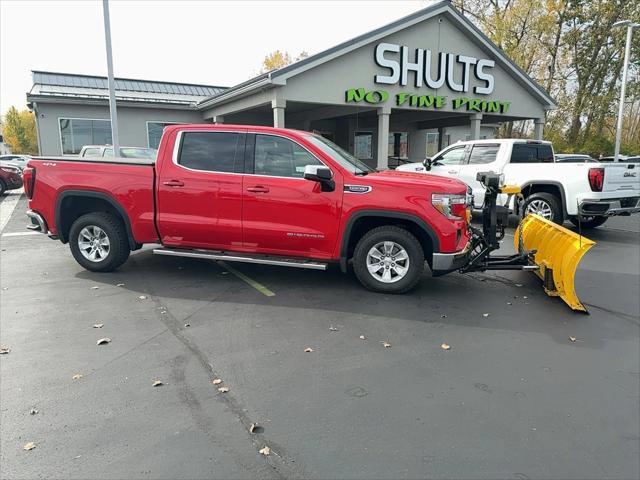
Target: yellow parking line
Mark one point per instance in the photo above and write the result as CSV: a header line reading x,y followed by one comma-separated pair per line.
x,y
249,281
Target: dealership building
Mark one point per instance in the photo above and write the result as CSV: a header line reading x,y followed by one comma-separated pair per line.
x,y
402,91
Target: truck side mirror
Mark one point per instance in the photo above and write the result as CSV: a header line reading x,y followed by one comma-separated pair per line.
x,y
321,174
427,163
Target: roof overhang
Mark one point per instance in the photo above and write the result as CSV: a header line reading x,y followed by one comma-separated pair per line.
x,y
279,77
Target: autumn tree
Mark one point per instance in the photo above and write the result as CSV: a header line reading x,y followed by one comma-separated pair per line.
x,y
19,131
280,59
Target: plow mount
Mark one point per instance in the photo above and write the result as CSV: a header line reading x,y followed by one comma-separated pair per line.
x,y
549,250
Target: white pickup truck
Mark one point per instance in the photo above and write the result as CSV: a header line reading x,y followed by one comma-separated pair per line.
x,y
589,192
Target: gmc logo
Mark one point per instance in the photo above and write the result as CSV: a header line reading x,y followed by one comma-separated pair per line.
x,y
629,174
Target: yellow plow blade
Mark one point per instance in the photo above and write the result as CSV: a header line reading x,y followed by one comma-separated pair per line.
x,y
558,253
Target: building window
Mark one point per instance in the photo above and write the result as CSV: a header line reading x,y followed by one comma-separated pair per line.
x,y
363,145
397,147
154,132
75,133
432,143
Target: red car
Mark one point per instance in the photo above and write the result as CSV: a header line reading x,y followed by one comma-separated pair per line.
x,y
10,178
253,194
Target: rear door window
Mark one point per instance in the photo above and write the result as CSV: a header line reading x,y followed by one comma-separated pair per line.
x,y
210,151
531,153
481,154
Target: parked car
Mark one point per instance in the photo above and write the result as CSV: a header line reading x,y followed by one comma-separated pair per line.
x,y
253,194
10,178
622,158
19,161
125,152
574,158
584,193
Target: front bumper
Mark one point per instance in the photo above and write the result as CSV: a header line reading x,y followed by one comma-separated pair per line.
x,y
448,262
609,207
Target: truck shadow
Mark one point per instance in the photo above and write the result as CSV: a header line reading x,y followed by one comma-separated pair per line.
x,y
511,301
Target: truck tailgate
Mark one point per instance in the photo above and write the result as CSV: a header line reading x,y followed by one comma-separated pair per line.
x,y
621,177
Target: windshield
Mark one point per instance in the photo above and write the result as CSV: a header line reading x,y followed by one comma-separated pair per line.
x,y
344,158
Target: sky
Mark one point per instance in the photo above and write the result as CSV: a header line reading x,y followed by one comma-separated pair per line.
x,y
209,42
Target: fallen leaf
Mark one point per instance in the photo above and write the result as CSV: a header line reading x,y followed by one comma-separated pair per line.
x,y
103,341
157,383
485,314
217,381
509,303
33,411
120,284
265,451
142,297
445,346
4,350
223,389
98,325
386,344
333,329
518,284
362,337
443,316
573,339
95,287
29,446
163,312
187,324
252,427
77,376
525,297
308,350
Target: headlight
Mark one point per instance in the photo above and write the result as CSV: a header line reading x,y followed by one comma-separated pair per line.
x,y
452,206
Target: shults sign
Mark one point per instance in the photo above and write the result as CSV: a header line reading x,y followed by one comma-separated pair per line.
x,y
456,71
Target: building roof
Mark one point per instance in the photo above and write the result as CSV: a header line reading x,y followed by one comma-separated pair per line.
x,y
279,76
60,86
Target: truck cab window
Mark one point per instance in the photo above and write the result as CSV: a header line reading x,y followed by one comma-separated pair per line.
x,y
280,157
455,156
481,154
531,153
209,151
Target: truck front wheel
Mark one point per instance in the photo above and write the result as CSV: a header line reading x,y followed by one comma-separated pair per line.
x,y
99,242
388,260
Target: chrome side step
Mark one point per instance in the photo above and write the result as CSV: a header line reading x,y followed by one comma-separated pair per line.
x,y
265,260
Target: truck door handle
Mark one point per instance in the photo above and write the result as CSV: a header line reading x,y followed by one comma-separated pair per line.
x,y
258,189
173,183
453,171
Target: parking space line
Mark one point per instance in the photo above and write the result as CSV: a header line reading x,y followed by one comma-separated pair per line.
x,y
249,281
20,234
7,207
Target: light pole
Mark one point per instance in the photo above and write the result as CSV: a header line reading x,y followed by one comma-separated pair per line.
x,y
112,84
627,53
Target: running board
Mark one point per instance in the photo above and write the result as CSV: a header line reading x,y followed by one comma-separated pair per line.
x,y
265,260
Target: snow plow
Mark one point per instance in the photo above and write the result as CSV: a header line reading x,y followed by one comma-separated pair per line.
x,y
549,250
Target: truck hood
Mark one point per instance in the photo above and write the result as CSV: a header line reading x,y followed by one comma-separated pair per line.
x,y
435,182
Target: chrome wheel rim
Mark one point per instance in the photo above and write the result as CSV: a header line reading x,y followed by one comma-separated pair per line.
x,y
541,208
94,243
388,262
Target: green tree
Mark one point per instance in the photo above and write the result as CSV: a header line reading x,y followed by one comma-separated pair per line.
x,y
280,59
19,131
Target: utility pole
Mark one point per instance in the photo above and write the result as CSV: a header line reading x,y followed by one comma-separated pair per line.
x,y
112,84
627,53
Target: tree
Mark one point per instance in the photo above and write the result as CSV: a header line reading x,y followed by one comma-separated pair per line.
x,y
280,59
19,131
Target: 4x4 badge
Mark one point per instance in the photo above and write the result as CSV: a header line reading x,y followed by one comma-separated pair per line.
x,y
357,188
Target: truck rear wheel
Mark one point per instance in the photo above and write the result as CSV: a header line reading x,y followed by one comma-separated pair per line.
x,y
99,242
588,222
544,204
388,260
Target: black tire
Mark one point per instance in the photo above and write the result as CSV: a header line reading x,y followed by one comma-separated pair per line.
x,y
3,187
400,237
588,222
115,232
551,201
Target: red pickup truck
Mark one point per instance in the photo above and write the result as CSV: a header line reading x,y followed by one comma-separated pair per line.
x,y
253,194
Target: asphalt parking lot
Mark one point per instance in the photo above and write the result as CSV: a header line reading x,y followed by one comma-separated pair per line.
x,y
513,398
